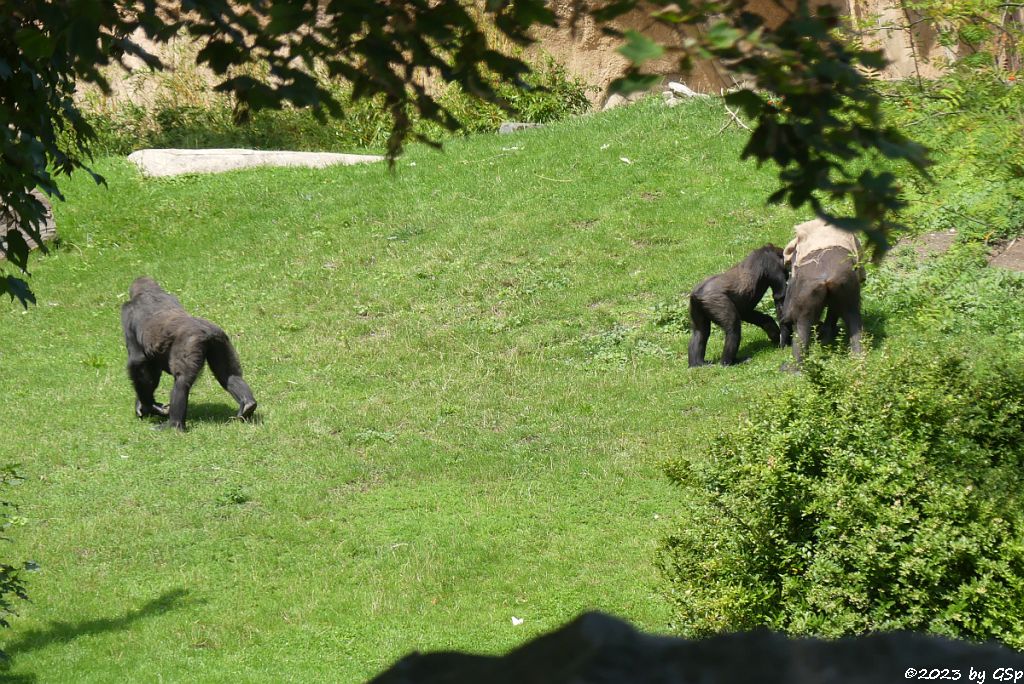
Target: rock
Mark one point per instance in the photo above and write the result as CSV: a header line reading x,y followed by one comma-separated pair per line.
x,y
670,98
47,229
614,100
683,90
170,162
596,648
513,126
677,92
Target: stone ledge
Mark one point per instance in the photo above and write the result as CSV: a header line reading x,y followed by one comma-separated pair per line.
x,y
173,162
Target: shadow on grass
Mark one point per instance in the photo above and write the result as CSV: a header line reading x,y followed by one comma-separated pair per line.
x,y
750,350
204,412
66,632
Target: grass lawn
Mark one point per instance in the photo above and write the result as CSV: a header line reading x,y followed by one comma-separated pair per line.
x,y
464,401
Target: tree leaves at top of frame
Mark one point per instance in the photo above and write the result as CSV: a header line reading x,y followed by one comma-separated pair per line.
x,y
638,48
34,43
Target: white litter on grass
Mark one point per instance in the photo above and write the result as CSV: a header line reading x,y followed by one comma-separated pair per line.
x,y
516,621
625,160
606,146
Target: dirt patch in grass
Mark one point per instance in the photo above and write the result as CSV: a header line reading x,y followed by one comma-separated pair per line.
x,y
930,244
1009,255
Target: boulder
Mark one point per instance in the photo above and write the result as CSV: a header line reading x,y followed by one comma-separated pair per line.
x,y
171,162
596,649
513,126
47,230
683,90
616,100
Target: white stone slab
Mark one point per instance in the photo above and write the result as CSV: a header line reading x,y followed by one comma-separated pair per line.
x,y
171,162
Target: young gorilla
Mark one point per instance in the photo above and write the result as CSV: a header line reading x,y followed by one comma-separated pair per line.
x,y
162,337
730,297
824,261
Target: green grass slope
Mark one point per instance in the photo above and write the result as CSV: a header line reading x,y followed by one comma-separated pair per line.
x,y
464,401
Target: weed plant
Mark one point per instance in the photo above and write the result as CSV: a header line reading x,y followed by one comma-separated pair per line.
x,y
884,493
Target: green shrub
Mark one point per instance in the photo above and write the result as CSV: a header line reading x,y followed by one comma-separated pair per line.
x,y
883,493
551,94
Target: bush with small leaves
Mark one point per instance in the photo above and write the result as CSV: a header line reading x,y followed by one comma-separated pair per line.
x,y
883,493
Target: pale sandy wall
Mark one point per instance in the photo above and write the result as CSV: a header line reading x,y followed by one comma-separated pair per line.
x,y
911,53
592,56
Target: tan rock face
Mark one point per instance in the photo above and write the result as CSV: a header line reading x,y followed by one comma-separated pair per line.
x,y
589,54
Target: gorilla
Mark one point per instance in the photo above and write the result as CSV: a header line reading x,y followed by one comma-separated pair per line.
x,y
161,337
826,277
729,298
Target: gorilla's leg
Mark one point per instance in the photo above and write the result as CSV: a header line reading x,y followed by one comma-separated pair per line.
x,y
179,399
716,306
802,340
145,376
766,323
805,301
785,332
186,360
854,325
829,328
227,369
700,325
731,326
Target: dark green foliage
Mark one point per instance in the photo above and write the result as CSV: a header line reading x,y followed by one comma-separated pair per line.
x,y
814,112
47,48
956,295
883,493
551,94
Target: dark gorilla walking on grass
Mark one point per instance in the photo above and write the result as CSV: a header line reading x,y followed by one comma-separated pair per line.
x,y
162,337
729,298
